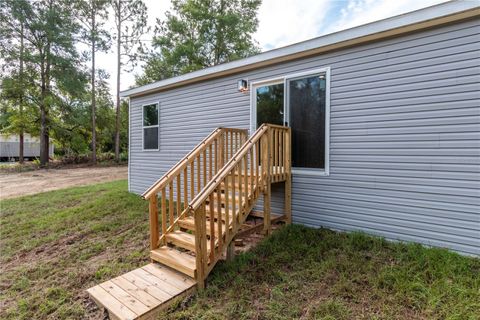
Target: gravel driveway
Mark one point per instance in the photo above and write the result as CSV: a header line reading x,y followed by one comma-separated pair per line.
x,y
19,184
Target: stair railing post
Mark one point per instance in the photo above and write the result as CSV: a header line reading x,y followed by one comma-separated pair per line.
x,y
153,210
288,179
200,245
266,160
221,156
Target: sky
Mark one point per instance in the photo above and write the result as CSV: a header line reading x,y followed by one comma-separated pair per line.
x,y
283,22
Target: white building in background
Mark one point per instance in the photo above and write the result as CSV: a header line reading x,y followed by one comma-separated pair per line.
x,y
10,147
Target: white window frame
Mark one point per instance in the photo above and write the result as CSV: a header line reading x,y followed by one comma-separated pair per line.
x,y
155,126
286,112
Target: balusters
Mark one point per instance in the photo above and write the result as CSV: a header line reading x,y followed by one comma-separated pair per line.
x,y
251,170
280,153
185,187
227,207
210,167
192,178
240,187
170,203
257,165
212,228
179,202
198,172
163,199
232,144
219,218
245,178
234,200
215,148
204,168
274,151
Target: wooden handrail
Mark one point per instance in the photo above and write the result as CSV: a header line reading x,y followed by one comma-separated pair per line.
x,y
170,195
178,168
216,180
261,160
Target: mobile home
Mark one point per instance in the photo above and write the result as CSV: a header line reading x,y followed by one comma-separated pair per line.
x,y
10,147
384,121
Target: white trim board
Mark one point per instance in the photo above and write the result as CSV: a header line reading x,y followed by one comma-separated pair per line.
x,y
429,17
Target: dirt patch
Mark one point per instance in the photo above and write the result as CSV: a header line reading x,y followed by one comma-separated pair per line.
x,y
14,185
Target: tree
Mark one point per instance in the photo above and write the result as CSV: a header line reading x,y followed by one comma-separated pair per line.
x,y
93,14
199,34
14,86
131,24
48,29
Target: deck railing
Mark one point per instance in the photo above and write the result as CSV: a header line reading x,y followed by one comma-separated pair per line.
x,y
232,192
187,178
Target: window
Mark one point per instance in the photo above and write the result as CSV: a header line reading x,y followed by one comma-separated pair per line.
x,y
301,101
307,103
150,127
269,104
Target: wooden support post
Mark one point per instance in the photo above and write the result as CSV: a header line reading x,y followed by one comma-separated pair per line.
x,y
231,251
153,210
164,212
221,157
266,157
200,245
288,178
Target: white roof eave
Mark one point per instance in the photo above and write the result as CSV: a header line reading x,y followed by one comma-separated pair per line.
x,y
411,18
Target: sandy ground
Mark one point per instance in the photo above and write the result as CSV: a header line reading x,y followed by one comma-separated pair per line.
x,y
19,184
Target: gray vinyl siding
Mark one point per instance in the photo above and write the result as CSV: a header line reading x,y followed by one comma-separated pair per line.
x,y
404,145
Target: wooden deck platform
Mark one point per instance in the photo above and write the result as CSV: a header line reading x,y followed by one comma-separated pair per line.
x,y
141,293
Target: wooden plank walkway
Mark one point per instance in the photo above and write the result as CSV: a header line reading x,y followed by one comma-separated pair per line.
x,y
141,293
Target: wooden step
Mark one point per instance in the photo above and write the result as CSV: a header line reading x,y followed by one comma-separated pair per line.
x,y
242,174
230,199
141,293
215,212
175,259
183,240
189,224
237,184
260,214
223,213
230,202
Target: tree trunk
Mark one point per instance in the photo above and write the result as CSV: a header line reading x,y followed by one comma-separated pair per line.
x,y
44,125
94,135
43,118
21,144
43,131
119,66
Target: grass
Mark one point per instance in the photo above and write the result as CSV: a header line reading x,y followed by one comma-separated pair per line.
x,y
57,244
304,273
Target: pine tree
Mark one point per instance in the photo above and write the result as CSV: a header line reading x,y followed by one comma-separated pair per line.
x,y
93,15
199,34
49,27
131,24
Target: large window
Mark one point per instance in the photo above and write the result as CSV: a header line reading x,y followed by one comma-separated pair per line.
x,y
306,99
150,127
300,101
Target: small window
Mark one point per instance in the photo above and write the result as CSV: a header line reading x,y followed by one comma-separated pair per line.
x,y
150,127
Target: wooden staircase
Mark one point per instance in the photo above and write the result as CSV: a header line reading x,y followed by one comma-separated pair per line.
x,y
198,207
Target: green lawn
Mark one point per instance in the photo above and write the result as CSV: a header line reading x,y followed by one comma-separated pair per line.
x,y
57,244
